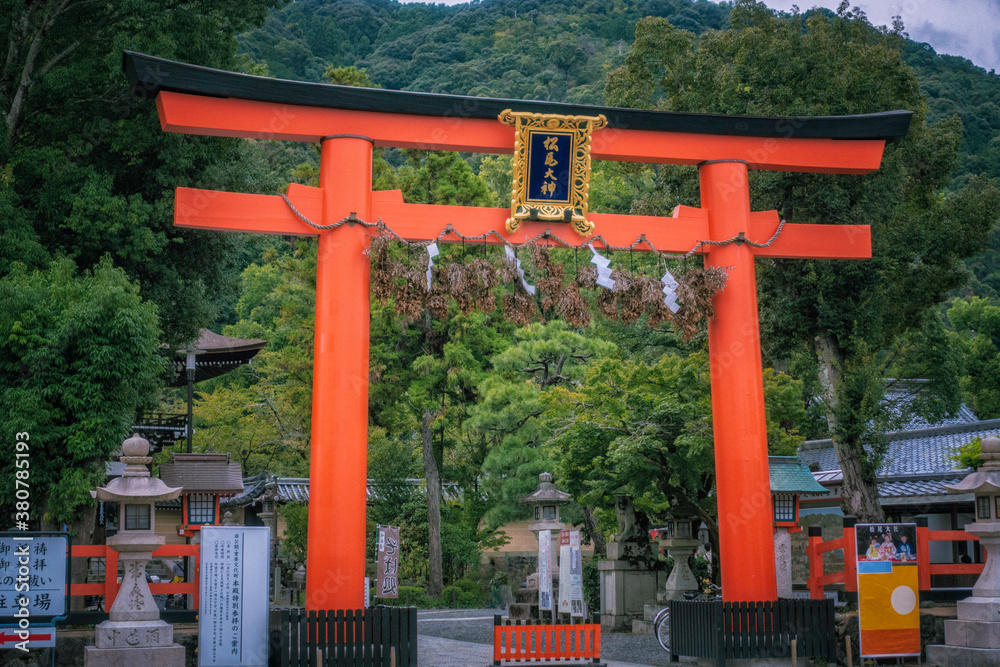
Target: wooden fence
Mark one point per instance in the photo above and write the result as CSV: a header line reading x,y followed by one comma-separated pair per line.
x,y
738,630
849,575
526,642
109,588
374,637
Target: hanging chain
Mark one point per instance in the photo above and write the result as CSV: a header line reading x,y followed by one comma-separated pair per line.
x,y
385,230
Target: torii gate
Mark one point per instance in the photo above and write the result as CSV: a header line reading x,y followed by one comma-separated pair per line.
x,y
350,121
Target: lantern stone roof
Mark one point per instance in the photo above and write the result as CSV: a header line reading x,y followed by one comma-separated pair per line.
x,y
215,355
789,475
987,478
203,473
546,492
135,485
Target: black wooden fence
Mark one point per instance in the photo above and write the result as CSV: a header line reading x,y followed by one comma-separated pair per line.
x,y
729,630
375,637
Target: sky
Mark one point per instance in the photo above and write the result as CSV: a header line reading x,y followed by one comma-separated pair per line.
x,y
967,28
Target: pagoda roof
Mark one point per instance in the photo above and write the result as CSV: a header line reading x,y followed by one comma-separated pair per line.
x,y
217,355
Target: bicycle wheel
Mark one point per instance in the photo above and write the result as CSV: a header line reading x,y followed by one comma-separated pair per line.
x,y
661,626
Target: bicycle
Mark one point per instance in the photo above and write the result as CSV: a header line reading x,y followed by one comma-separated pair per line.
x,y
661,623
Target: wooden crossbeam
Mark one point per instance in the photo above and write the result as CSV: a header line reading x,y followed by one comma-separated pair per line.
x,y
269,214
230,117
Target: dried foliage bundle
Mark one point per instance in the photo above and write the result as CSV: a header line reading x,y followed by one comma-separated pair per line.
x,y
473,286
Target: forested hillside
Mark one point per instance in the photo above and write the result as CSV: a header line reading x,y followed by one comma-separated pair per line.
x,y
555,50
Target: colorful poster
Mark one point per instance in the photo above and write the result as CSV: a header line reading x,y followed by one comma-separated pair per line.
x,y
387,563
570,574
888,589
545,569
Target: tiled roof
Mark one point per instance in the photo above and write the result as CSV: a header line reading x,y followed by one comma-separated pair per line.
x,y
927,487
296,490
789,475
902,393
926,490
203,473
210,342
918,452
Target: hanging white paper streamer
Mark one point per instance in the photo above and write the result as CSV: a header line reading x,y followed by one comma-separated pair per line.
x,y
603,268
669,291
530,289
432,252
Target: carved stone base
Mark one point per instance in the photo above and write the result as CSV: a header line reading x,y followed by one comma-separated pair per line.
x,y
134,634
160,656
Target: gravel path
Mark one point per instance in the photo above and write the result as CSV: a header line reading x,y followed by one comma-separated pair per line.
x,y
476,627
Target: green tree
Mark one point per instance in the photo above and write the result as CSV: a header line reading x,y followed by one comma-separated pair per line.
x,y
977,324
86,168
509,415
78,356
641,434
849,314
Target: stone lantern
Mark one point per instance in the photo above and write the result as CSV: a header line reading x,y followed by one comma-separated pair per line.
x,y
545,503
681,543
134,633
974,637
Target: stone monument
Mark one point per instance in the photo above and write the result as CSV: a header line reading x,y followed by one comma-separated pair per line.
x,y
134,635
630,577
681,544
973,639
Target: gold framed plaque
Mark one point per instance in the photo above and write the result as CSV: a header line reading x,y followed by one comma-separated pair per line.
x,y
551,168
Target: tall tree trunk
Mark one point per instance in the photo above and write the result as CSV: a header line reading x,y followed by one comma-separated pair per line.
x,y
859,495
432,476
596,536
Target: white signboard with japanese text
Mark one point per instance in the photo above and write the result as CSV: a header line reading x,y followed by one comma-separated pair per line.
x,y
233,604
545,569
570,574
33,569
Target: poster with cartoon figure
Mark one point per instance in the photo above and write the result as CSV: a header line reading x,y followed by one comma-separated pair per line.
x,y
888,589
892,542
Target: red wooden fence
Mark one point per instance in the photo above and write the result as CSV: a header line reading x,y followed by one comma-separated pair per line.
x,y
518,640
849,576
109,589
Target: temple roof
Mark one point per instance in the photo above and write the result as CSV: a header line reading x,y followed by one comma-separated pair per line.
x,y
217,355
149,75
789,475
203,473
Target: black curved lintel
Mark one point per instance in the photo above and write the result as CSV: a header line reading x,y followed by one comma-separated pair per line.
x,y
148,75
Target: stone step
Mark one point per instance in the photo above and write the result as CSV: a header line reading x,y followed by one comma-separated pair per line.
x,y
649,611
642,627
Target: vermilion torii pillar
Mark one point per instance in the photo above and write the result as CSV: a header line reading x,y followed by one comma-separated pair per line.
x,y
350,121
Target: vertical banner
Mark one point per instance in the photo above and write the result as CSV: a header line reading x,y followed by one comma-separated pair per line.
x,y
387,563
233,596
570,574
545,570
888,589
